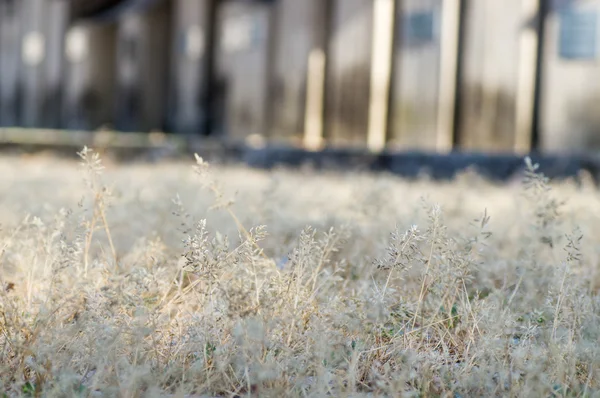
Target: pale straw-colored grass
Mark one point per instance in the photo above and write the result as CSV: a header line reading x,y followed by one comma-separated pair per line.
x,y
161,280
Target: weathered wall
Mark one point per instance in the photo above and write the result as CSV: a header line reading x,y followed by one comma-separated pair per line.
x,y
57,21
300,29
490,74
415,83
569,117
188,55
10,34
31,60
142,69
348,80
123,75
242,67
90,76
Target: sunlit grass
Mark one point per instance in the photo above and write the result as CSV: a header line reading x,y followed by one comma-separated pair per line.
x,y
188,279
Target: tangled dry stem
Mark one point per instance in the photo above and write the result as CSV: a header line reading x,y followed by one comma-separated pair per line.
x,y
386,293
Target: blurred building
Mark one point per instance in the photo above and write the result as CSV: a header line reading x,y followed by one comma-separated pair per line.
x,y
415,74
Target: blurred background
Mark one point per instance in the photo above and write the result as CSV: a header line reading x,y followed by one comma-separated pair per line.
x,y
434,75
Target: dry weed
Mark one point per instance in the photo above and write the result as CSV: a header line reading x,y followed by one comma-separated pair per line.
x,y
232,282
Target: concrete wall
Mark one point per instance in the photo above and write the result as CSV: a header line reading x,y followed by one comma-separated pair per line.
x,y
569,117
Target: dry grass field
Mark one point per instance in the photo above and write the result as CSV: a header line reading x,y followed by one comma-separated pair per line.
x,y
193,280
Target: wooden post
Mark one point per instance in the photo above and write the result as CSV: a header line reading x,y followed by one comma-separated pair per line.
x,y
142,65
57,25
450,28
270,70
313,135
89,78
381,72
242,58
526,86
192,67
33,57
209,90
313,138
43,25
349,63
9,62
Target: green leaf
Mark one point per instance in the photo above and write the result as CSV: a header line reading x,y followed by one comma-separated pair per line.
x,y
28,389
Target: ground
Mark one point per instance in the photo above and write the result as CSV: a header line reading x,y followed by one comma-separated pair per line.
x,y
165,280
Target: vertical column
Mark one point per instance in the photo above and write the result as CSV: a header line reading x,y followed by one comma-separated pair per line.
x,y
10,34
490,75
34,46
89,83
158,32
296,71
142,43
33,55
57,25
569,118
190,66
315,99
273,84
316,77
349,72
131,49
242,58
450,25
415,93
381,72
528,43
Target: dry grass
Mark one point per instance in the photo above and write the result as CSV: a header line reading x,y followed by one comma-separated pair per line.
x,y
150,281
